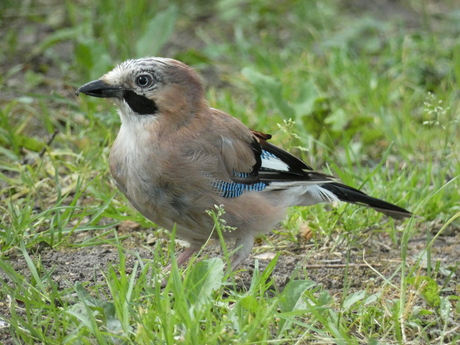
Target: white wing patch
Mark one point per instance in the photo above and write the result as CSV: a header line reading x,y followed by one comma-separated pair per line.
x,y
271,162
317,195
303,194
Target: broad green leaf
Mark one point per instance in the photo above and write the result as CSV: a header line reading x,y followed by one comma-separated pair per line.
x,y
30,143
353,298
250,303
205,277
270,89
107,309
445,308
428,288
308,96
456,63
158,32
291,297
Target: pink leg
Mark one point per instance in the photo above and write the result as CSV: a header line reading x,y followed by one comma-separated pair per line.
x,y
244,246
182,258
185,255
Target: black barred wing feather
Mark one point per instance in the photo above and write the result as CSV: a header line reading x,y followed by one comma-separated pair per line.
x,y
273,168
276,169
355,196
278,165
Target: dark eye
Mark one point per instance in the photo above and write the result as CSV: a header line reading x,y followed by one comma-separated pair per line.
x,y
144,80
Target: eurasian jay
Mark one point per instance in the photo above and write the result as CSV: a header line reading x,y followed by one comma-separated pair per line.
x,y
175,158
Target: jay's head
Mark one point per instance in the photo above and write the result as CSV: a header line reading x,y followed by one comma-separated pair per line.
x,y
149,87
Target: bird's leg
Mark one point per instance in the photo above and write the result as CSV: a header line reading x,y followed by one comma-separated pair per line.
x,y
243,246
182,258
185,255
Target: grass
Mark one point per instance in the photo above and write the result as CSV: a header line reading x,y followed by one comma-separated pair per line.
x,y
371,100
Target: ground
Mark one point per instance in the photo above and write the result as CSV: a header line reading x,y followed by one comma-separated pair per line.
x,y
372,260
371,264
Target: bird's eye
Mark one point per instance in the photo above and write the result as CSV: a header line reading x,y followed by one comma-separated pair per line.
x,y
144,80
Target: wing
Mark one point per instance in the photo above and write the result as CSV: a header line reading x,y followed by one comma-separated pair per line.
x,y
253,164
355,196
278,165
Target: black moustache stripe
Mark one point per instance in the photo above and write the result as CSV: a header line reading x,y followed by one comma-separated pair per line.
x,y
140,104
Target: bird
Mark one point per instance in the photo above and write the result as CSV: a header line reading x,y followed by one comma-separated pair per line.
x,y
175,158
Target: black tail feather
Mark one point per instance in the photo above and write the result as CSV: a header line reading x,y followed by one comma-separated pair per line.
x,y
355,196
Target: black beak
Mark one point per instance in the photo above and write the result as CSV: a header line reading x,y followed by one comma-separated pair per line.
x,y
98,88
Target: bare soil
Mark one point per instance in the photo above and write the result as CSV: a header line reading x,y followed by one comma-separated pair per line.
x,y
369,265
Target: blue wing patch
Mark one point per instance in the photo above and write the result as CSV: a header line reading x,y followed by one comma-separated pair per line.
x,y
267,155
234,190
270,161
